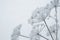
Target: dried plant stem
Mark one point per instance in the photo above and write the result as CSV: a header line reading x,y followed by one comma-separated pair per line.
x,y
42,36
37,34
56,24
48,30
25,36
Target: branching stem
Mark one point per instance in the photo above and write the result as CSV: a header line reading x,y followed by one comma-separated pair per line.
x,y
42,36
48,30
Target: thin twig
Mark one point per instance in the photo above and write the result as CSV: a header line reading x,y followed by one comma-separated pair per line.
x,y
56,24
42,36
48,30
24,36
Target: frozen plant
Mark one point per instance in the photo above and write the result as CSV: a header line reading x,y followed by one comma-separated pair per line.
x,y
39,15
16,33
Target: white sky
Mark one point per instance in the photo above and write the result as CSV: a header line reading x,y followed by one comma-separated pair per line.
x,y
15,12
